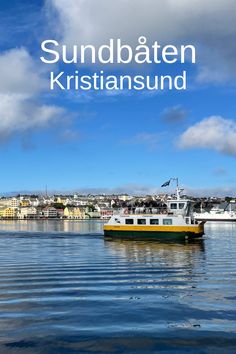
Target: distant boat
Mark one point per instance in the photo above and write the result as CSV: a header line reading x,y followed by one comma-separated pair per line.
x,y
217,214
176,223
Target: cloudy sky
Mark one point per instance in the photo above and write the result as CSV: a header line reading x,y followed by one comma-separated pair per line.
x,y
128,141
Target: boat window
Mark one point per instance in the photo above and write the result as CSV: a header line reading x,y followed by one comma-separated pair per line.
x,y
181,205
167,221
154,221
141,221
173,205
129,221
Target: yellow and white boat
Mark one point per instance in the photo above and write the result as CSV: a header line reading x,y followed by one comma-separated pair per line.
x,y
177,222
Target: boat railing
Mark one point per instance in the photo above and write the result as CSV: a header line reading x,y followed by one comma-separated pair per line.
x,y
138,211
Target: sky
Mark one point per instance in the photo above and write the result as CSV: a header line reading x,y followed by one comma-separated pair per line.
x,y
118,141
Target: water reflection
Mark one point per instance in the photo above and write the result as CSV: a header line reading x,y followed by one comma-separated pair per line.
x,y
183,254
51,226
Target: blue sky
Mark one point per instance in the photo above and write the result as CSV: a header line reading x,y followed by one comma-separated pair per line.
x,y
130,142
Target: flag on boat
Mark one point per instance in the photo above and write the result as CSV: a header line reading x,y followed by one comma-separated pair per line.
x,y
166,184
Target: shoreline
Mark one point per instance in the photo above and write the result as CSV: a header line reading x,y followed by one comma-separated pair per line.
x,y
52,219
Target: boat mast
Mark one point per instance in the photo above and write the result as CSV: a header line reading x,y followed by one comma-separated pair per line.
x,y
178,190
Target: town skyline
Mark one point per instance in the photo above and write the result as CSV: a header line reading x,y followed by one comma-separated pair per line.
x,y
80,207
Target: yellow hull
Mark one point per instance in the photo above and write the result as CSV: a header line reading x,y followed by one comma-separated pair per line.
x,y
193,229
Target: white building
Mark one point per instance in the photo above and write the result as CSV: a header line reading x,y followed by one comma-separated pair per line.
x,y
34,202
14,203
27,213
49,212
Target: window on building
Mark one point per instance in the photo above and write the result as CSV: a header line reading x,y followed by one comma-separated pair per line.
x,y
141,221
167,221
181,205
173,205
129,221
154,221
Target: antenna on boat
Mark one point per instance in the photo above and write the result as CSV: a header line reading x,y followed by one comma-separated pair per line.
x,y
178,190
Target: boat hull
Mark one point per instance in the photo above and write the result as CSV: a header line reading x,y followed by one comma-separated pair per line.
x,y
150,233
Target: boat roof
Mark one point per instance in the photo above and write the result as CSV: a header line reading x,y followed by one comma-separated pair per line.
x,y
169,215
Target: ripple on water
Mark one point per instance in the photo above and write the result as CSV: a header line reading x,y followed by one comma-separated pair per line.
x,y
71,293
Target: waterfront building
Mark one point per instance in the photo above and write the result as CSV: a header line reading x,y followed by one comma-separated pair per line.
x,y
24,202
34,201
92,212
62,200
49,212
27,213
106,213
8,213
74,213
14,202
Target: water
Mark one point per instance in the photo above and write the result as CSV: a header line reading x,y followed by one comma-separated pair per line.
x,y
63,289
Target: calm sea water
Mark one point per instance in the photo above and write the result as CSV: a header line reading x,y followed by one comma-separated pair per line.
x,y
64,289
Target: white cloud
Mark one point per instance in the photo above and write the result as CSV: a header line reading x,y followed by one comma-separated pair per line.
x,y
209,24
19,73
214,132
21,84
19,114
